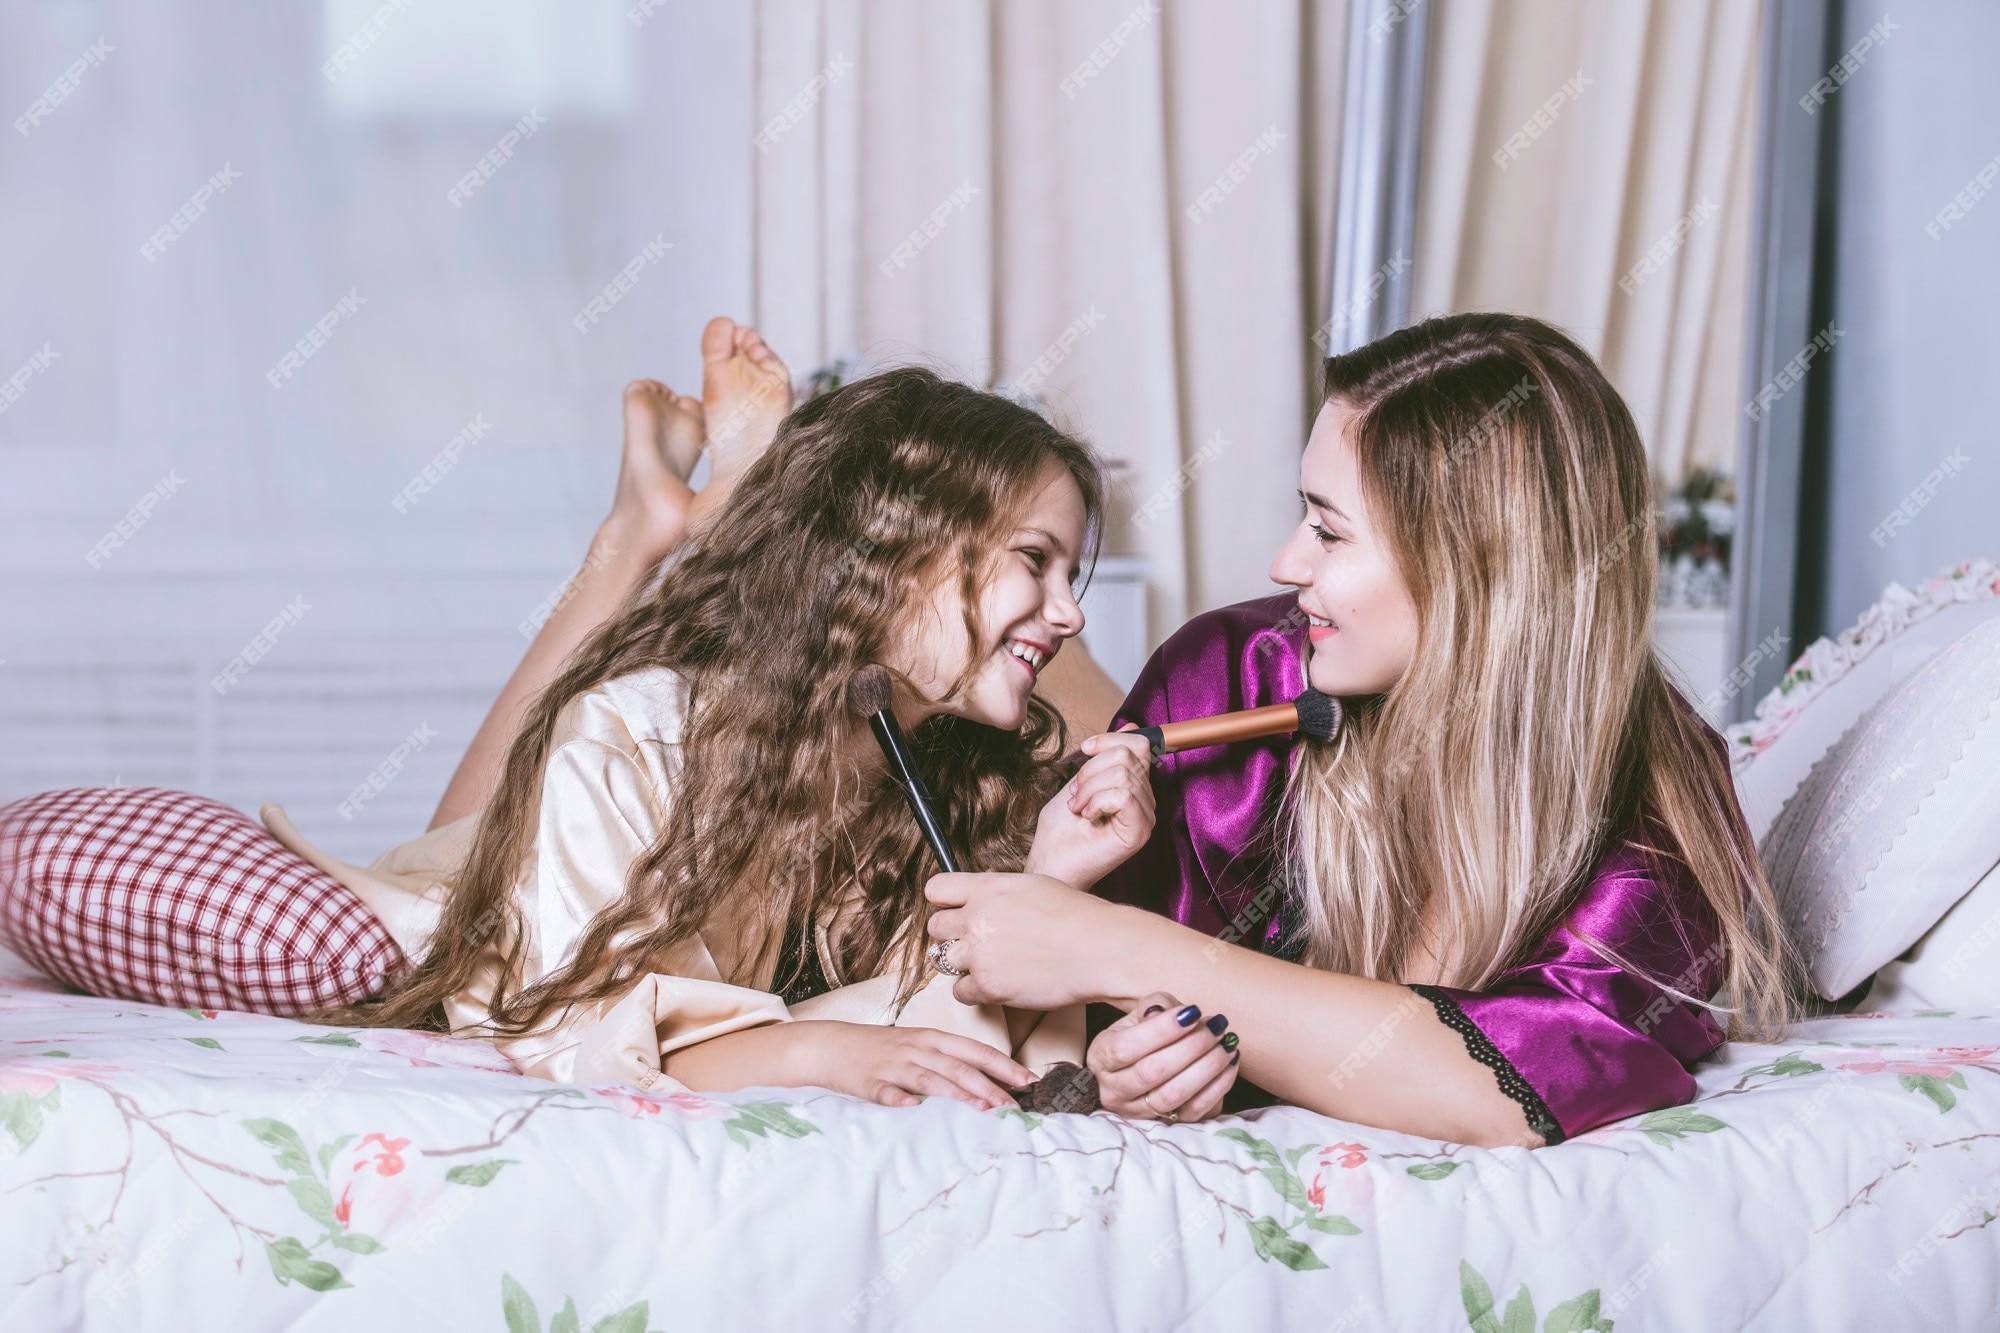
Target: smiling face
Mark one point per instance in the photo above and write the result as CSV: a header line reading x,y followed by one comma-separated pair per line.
x,y
1026,609
1363,625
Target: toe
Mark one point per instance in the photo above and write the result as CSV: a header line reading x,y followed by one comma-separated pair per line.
x,y
760,352
718,338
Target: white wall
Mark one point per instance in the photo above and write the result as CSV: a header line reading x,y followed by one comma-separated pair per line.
x,y
1911,379
340,186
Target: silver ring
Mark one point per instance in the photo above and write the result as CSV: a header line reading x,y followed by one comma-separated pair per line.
x,y
941,962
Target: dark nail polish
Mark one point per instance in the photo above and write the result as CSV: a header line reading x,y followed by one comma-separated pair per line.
x,y
1187,1016
1219,1024
1234,1058
1230,1041
1156,1009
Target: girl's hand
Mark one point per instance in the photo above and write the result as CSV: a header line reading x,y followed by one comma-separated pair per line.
x,y
1150,1063
1101,817
901,1066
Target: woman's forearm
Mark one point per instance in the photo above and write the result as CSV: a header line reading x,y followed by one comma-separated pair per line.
x,y
1368,1051
616,561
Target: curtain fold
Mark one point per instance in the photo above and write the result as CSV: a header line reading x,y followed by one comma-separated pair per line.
x,y
1590,164
1124,207
1120,207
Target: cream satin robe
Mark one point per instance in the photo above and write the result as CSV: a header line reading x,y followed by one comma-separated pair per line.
x,y
610,772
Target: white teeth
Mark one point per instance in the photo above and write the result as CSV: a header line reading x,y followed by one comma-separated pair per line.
x,y
1316,619
1025,653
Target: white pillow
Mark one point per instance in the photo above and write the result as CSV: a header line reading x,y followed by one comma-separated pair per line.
x,y
1953,965
1897,820
1835,681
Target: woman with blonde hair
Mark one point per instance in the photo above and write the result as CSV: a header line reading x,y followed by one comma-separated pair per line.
x,y
1514,897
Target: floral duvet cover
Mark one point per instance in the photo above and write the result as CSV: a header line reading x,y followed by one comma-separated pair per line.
x,y
174,1169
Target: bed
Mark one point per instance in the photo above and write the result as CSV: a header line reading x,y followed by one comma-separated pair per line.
x,y
164,1167
270,1174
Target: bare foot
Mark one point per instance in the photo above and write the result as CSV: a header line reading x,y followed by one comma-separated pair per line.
x,y
663,435
745,392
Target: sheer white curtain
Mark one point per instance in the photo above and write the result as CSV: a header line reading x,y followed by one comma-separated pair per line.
x,y
338,189
1036,165
1123,206
1591,164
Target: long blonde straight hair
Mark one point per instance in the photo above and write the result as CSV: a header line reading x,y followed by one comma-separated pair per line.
x,y
1534,729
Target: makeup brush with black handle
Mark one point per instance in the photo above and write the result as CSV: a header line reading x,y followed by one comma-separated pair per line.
x,y
1063,1087
868,695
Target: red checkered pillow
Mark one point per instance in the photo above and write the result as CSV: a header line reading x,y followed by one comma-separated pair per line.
x,y
141,893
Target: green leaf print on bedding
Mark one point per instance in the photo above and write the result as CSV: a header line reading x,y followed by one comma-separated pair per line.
x,y
284,1143
1028,1119
761,1118
1578,1314
292,1262
479,1173
327,1150
1271,1238
312,1188
313,1200
1271,1241
1331,1223
1290,1188
22,1112
1789,1065
1938,1089
1677,1122
358,1243
1259,1149
522,1317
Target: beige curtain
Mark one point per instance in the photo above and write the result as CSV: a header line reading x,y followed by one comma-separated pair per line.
x,y
1121,205
1591,163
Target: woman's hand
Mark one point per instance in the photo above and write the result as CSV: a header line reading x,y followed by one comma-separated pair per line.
x,y
1025,940
1102,816
1151,1063
901,1066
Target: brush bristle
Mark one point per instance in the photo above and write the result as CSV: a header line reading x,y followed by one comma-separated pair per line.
x,y
868,691
1319,715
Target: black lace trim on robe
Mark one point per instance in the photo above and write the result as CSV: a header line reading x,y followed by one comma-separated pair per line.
x,y
1517,1089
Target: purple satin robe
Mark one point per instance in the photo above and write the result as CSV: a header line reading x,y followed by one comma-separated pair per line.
x,y
1575,1040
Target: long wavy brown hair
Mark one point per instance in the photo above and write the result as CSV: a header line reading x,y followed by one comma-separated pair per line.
x,y
881,500
1534,727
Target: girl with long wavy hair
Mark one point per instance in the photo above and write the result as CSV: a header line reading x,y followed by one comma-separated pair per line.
x,y
691,868
1514,898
